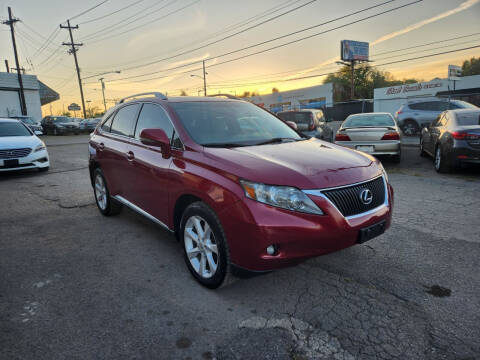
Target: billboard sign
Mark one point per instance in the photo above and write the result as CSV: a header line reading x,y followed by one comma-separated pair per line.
x,y
354,50
454,72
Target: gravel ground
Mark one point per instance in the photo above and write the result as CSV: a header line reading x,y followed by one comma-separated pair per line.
x,y
75,284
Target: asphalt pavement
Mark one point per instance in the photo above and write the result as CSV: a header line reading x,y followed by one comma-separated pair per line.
x,y
76,284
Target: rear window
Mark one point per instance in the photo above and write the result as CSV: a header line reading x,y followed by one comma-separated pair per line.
x,y
369,121
297,117
13,129
467,119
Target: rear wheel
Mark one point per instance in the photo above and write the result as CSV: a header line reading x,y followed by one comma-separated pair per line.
x,y
105,203
441,163
410,128
205,246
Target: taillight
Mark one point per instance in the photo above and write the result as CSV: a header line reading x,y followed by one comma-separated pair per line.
x,y
460,135
311,126
342,137
391,135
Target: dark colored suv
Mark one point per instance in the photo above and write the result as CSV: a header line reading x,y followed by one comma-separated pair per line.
x,y
59,125
238,187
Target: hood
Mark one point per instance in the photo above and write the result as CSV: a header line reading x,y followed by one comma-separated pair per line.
x,y
16,142
308,164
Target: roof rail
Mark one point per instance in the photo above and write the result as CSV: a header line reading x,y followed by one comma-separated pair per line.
x,y
158,95
228,96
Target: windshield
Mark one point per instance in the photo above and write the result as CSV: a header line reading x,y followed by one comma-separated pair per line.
x,y
467,119
13,129
369,121
230,123
464,105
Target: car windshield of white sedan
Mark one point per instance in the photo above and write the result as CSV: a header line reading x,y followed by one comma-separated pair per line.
x,y
231,123
13,129
369,121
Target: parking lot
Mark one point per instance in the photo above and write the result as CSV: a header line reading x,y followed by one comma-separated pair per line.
x,y
76,284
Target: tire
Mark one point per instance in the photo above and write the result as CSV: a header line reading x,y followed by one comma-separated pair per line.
x,y
105,203
440,162
410,128
422,151
397,158
199,216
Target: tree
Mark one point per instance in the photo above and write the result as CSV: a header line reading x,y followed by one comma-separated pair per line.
x,y
67,113
245,94
183,93
471,67
366,79
274,90
92,111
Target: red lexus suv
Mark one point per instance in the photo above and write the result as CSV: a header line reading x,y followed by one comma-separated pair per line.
x,y
241,190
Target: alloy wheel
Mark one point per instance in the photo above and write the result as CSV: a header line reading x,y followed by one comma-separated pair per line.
x,y
100,192
438,158
201,247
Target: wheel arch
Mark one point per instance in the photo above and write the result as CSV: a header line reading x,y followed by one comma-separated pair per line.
x,y
182,202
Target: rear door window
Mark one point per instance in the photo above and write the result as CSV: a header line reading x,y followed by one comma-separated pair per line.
x,y
124,120
153,117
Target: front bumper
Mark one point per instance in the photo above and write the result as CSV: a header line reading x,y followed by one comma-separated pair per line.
x,y
251,227
35,160
382,147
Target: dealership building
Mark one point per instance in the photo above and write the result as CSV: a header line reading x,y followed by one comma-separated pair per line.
x,y
312,97
389,99
36,95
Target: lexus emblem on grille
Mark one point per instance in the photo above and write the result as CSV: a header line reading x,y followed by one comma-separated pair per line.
x,y
366,196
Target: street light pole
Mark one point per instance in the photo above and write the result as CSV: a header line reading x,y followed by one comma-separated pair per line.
x,y
103,93
204,80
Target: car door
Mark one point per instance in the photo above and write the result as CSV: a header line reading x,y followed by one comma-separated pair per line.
x,y
149,180
113,148
434,133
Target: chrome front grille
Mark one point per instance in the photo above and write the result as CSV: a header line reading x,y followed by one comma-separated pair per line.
x,y
14,153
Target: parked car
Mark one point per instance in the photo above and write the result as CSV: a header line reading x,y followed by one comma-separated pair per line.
x,y
32,124
257,198
309,122
59,125
452,139
88,125
416,114
20,148
374,133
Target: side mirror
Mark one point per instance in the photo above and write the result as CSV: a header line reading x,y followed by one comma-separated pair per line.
x,y
158,138
38,132
292,125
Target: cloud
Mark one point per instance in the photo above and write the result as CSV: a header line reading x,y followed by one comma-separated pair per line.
x,y
463,6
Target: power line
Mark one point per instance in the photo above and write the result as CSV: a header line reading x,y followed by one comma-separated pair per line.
x,y
119,24
277,46
226,37
88,10
112,13
148,22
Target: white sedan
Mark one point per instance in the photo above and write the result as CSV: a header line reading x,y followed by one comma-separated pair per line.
x,y
20,148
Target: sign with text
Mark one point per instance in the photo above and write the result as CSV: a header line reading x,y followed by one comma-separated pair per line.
x,y
454,72
354,50
74,107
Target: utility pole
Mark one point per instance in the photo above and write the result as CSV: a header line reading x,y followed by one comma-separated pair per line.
x,y
10,22
22,69
73,51
103,93
6,65
352,92
204,80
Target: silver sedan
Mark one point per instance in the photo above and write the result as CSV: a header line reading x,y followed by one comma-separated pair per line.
x,y
373,133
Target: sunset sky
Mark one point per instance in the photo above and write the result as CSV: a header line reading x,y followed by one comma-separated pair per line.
x,y
127,35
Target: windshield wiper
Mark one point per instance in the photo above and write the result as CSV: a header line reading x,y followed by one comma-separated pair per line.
x,y
221,145
276,140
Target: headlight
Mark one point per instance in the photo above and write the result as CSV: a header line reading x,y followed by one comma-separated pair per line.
x,y
40,147
284,197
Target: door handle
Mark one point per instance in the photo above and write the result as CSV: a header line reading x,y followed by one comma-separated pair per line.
x,y
101,146
130,155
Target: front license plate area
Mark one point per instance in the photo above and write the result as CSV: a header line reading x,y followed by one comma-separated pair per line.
x,y
366,148
10,163
371,231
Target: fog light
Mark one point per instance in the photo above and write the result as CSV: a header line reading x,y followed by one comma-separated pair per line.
x,y
271,250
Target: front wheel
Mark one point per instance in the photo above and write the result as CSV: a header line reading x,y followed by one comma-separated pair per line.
x,y
205,246
410,128
422,150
